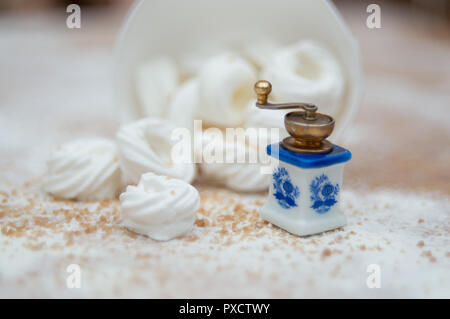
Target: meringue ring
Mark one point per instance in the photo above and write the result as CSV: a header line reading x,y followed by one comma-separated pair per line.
x,y
226,83
156,80
239,176
306,72
159,207
84,169
183,107
146,146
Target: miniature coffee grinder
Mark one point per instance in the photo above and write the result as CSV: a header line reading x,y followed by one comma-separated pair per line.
x,y
307,176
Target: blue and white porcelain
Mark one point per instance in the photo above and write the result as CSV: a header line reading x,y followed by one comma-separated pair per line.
x,y
285,192
305,192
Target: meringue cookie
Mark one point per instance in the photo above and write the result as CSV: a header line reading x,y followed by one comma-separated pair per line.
x,y
84,169
160,207
260,52
245,176
306,72
191,61
226,87
184,105
146,146
156,80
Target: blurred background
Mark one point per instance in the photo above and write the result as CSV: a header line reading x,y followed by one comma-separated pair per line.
x,y
59,79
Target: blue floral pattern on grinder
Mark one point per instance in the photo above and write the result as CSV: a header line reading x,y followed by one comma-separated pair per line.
x,y
323,194
286,193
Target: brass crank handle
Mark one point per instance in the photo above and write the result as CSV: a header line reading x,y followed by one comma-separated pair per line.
x,y
263,89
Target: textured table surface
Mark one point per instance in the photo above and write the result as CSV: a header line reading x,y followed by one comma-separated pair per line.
x,y
55,85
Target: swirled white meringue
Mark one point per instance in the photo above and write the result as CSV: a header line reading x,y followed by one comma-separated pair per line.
x,y
260,52
182,110
146,146
156,80
159,207
192,60
226,87
84,169
306,72
240,176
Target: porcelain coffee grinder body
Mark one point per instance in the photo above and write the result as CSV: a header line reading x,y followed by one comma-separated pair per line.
x,y
307,171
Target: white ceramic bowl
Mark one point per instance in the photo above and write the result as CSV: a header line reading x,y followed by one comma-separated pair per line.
x,y
175,28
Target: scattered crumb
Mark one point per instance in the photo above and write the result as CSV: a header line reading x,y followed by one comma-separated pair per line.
x,y
430,256
326,253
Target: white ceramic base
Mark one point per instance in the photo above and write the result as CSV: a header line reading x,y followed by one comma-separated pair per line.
x,y
304,215
303,226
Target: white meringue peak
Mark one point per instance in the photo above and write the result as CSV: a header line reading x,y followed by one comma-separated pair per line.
x,y
84,169
226,87
156,80
146,146
260,52
182,110
159,207
306,72
192,60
